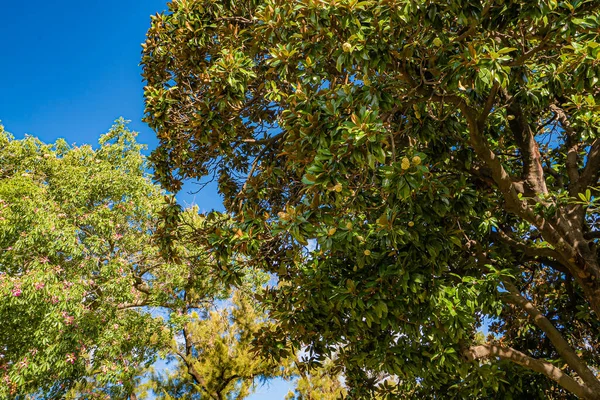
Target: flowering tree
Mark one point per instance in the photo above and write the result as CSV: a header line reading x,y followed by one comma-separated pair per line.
x,y
78,266
87,300
75,255
444,158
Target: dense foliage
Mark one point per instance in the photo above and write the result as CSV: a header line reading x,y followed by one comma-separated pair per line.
x,y
75,228
88,303
215,359
324,383
411,170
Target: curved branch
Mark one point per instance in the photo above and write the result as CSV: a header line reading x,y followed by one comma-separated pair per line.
x,y
508,353
268,143
560,344
591,171
545,255
509,190
533,171
572,142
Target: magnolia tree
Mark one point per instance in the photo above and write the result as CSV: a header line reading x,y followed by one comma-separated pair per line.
x,y
444,158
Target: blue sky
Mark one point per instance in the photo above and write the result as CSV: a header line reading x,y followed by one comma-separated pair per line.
x,y
69,68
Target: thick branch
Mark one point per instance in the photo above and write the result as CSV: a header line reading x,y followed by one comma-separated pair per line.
x,y
544,255
533,171
591,171
549,262
198,379
489,104
227,381
543,367
507,187
560,344
592,235
545,252
572,142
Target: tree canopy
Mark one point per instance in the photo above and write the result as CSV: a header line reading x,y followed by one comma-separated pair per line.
x,y
88,302
412,171
75,229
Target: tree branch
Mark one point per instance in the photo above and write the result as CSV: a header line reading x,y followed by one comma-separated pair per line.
x,y
489,104
268,143
572,142
592,235
558,341
198,379
591,171
507,353
506,185
525,249
530,53
545,255
533,170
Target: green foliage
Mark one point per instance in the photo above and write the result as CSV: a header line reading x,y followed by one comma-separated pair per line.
x,y
323,384
75,235
215,357
443,157
88,300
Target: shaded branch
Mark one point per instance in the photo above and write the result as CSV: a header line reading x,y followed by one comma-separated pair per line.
x,y
544,255
572,142
591,171
268,143
489,104
486,351
528,54
558,341
198,379
533,170
592,235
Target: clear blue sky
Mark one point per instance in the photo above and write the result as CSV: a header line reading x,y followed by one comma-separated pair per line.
x,y
69,68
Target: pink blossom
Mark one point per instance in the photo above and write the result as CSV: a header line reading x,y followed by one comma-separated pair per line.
x,y
40,285
118,236
24,363
44,260
68,319
71,358
17,291
54,299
